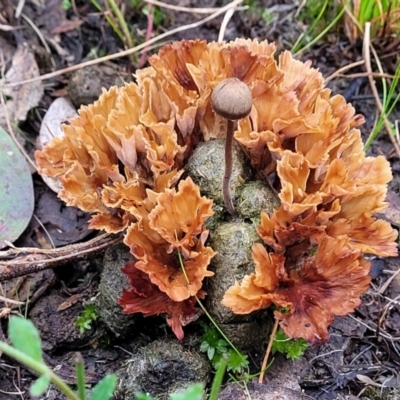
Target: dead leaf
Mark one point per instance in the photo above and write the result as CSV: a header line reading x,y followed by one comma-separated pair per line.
x,y
26,289
21,98
16,191
69,302
392,212
59,111
67,26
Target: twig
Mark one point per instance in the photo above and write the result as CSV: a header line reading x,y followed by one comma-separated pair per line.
x,y
45,231
6,300
42,39
227,17
268,351
367,57
366,74
19,8
388,282
344,69
205,10
41,259
133,50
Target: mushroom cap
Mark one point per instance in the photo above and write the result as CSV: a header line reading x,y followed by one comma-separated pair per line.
x,y
232,99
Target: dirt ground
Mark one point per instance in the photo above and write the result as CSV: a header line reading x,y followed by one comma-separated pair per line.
x,y
362,357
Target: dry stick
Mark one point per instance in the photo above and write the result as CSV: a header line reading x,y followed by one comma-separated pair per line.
x,y
40,261
367,58
271,340
226,184
205,10
135,49
227,17
365,74
343,69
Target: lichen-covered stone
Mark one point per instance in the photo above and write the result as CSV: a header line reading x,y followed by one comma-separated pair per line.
x,y
112,283
255,197
261,392
233,242
86,84
161,368
206,167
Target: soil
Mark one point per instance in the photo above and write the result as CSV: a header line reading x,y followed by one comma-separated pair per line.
x,y
362,356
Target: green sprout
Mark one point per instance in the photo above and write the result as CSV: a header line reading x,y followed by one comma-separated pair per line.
x,y
217,349
86,318
293,349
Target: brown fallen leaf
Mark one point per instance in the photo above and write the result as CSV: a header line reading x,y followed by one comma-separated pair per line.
x,y
21,98
69,302
67,26
392,212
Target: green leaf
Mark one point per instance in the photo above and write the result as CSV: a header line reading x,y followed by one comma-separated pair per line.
x,y
210,353
204,347
16,191
40,386
236,362
104,389
193,392
25,337
280,342
294,349
297,349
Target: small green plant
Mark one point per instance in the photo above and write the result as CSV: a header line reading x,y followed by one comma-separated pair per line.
x,y
217,349
26,349
382,14
390,99
86,318
319,15
66,5
293,349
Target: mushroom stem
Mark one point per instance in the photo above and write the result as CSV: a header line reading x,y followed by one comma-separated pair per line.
x,y
226,187
232,100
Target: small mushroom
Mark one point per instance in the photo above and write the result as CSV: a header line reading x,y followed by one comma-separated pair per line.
x,y
231,99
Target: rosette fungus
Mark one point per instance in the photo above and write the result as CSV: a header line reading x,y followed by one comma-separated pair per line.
x,y
122,158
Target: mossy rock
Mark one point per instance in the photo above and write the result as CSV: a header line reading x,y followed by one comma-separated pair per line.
x,y
161,368
233,242
112,282
206,167
255,197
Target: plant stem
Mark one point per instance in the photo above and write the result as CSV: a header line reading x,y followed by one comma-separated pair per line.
x,y
217,382
80,376
226,184
122,23
39,367
109,20
271,340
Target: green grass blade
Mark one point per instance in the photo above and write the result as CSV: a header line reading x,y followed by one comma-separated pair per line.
x,y
105,388
40,386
